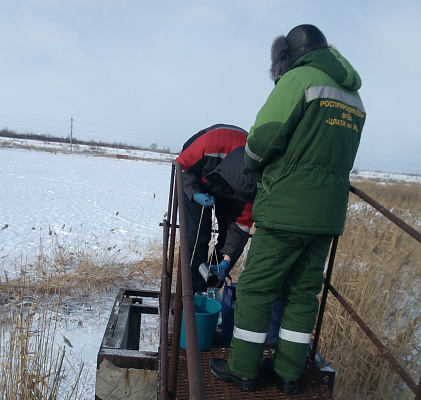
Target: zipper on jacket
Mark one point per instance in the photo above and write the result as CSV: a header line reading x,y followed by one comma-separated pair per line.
x,y
265,188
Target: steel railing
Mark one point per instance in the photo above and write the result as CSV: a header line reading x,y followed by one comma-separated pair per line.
x,y
184,301
416,389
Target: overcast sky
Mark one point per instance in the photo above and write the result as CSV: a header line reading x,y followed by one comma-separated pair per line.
x,y
143,72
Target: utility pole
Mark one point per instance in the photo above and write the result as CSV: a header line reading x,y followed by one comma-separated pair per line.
x,y
71,134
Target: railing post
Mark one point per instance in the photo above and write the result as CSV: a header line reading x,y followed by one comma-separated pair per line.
x,y
172,241
175,345
164,306
165,296
418,393
324,297
194,360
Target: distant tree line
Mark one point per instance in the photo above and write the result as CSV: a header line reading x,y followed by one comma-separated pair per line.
x,y
49,138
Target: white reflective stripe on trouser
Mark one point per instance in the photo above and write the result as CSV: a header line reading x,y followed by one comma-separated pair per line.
x,y
296,337
249,336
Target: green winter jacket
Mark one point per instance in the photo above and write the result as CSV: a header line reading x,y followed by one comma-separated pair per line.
x,y
304,141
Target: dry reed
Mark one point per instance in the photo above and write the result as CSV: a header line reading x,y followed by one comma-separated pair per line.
x,y
377,271
31,362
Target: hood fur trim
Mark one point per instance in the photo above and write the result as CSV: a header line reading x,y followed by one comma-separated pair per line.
x,y
281,60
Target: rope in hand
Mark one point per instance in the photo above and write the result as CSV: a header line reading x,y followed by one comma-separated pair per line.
x,y
197,237
214,238
214,241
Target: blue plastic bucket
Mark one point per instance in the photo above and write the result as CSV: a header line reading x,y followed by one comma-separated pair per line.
x,y
207,313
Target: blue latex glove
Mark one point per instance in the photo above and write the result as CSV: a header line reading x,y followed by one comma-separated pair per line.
x,y
204,199
221,268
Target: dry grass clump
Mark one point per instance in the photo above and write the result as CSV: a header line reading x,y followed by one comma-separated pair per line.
x,y
377,272
401,198
82,268
31,362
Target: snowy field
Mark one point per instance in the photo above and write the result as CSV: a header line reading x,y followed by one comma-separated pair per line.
x,y
77,198
104,201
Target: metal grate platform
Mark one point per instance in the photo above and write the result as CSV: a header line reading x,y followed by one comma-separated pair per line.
x,y
124,370
312,383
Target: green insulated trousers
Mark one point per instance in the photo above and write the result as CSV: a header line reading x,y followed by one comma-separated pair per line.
x,y
283,264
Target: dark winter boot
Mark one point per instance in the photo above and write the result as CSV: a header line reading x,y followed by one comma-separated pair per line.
x,y
221,370
284,385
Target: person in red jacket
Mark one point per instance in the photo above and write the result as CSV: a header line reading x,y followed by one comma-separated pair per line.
x,y
215,176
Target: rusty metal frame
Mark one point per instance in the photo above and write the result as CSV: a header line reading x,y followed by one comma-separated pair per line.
x,y
323,301
120,343
416,389
184,300
389,215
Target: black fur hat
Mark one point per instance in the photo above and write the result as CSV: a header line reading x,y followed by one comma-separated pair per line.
x,y
288,49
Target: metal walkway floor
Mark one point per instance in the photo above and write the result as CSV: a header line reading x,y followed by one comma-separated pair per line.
x,y
311,383
124,369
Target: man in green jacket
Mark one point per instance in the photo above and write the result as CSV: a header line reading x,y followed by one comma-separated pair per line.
x,y
304,141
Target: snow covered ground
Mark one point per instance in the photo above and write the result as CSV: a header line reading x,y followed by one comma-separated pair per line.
x,y
76,198
106,201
